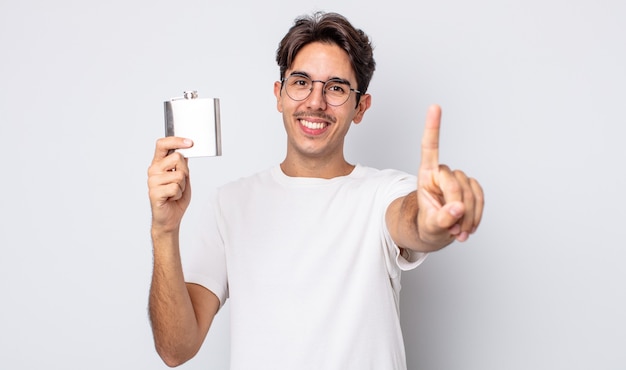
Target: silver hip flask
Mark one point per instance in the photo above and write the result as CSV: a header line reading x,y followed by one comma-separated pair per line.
x,y
197,119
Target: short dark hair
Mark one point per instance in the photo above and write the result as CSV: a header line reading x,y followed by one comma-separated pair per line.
x,y
331,28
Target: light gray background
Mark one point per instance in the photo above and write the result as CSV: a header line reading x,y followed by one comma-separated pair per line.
x,y
533,94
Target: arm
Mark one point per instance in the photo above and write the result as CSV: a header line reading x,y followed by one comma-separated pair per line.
x,y
447,205
180,313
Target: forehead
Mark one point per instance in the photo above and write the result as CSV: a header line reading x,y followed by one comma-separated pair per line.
x,y
323,61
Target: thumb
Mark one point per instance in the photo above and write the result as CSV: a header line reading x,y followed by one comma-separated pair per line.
x,y
450,214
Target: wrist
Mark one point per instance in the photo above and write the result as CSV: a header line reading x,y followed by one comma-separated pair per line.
x,y
161,234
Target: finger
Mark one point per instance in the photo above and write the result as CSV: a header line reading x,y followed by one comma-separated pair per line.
x,y
170,192
177,190
438,222
444,199
449,185
449,215
172,162
166,186
480,203
168,177
172,169
430,140
166,145
469,201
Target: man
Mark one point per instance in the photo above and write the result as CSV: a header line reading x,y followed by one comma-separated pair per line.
x,y
310,251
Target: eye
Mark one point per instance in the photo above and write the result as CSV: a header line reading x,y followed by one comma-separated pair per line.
x,y
337,87
300,82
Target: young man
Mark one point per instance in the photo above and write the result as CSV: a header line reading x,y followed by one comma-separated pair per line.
x,y
310,251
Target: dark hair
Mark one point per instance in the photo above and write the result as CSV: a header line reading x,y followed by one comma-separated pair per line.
x,y
331,28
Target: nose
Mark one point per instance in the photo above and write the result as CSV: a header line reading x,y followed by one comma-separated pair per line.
x,y
316,99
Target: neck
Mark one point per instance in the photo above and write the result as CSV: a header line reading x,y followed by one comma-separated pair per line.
x,y
316,168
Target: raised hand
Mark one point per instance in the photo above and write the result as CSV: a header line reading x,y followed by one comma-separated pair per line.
x,y
450,203
168,184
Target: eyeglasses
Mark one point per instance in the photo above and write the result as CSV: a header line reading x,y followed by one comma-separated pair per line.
x,y
335,91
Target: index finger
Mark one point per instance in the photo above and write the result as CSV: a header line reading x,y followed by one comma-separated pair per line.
x,y
166,145
430,139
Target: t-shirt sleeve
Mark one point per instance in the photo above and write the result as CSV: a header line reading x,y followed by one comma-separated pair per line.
x,y
202,248
401,185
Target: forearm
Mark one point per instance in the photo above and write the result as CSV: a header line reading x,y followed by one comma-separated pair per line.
x,y
177,334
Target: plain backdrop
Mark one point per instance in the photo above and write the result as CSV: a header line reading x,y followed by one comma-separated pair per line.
x,y
533,95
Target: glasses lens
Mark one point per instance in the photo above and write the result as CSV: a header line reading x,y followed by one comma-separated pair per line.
x,y
298,87
336,92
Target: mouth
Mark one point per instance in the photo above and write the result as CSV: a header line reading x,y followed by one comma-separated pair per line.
x,y
314,123
315,126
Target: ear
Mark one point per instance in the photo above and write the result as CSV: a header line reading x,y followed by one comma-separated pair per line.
x,y
364,103
277,90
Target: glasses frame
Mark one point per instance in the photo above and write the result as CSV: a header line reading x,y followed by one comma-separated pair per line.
x,y
350,89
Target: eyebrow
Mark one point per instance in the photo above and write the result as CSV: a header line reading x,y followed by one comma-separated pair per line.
x,y
304,74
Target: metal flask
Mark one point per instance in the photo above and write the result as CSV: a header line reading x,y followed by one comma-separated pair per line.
x,y
197,119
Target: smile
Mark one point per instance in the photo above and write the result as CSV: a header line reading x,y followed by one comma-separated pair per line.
x,y
313,125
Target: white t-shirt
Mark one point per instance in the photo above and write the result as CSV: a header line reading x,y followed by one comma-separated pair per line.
x,y
311,272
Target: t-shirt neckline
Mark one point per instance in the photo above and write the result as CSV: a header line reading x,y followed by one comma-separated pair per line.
x,y
281,177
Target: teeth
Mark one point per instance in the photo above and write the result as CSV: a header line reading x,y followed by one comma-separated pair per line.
x,y
312,125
